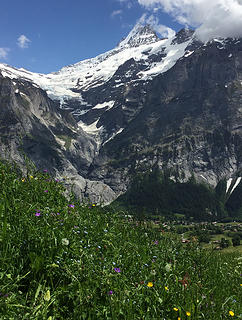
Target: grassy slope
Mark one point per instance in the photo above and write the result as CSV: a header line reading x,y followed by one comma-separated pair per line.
x,y
64,260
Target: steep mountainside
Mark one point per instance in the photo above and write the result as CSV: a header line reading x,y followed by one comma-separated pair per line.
x,y
31,124
190,121
174,103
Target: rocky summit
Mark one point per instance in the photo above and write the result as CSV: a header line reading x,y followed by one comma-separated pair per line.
x,y
173,103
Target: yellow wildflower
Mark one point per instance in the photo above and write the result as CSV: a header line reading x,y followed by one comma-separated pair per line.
x,y
150,284
231,313
166,288
178,318
31,177
188,313
241,284
175,309
23,180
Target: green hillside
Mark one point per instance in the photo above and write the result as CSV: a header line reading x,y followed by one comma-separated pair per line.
x,y
62,259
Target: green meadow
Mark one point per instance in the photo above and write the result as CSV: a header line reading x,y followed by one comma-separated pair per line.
x,y
64,259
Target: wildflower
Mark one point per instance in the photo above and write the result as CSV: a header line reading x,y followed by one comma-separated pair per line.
x,y
37,214
117,270
110,292
71,206
23,180
65,242
31,177
175,309
94,205
45,170
166,288
47,295
231,313
168,267
150,284
156,242
188,313
241,284
46,191
178,318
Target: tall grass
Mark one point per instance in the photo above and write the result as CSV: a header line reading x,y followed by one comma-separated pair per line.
x,y
62,259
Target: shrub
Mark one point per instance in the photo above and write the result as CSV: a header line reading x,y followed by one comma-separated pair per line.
x,y
236,240
224,243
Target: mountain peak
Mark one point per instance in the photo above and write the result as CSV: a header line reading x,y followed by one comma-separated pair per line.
x,y
140,34
183,35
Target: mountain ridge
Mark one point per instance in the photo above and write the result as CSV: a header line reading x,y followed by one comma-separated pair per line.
x,y
167,102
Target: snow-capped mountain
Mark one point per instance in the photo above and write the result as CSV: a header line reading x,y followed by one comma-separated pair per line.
x,y
175,103
141,44
137,59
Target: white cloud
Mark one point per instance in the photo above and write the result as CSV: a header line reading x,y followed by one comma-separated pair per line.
x,y
128,3
211,18
116,13
4,53
163,30
23,41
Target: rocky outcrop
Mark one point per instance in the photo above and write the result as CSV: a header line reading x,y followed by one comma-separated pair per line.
x,y
32,125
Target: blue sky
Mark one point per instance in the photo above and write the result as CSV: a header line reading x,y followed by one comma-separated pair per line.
x,y
43,36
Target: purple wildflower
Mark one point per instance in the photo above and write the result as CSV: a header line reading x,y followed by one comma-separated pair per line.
x,y
46,191
45,170
117,270
37,214
156,242
110,292
58,213
71,206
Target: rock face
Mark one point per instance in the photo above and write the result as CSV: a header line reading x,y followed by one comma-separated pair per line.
x,y
31,124
191,121
175,103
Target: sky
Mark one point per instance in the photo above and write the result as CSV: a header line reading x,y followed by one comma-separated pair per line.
x,y
44,36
